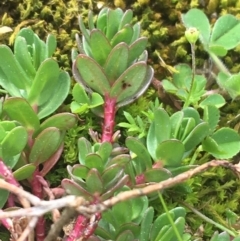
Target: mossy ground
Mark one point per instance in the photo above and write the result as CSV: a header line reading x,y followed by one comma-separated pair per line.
x,y
214,191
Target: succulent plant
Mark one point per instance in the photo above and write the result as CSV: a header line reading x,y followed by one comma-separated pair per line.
x,y
112,61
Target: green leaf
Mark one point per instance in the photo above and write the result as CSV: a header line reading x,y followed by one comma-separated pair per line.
x,y
126,18
140,151
91,74
124,35
51,45
113,21
223,144
123,212
225,32
97,39
211,115
165,153
137,48
111,176
102,20
196,136
18,109
44,82
24,172
12,69
73,188
214,99
84,148
133,227
117,62
129,83
14,142
233,86
62,121
104,151
3,197
80,95
197,18
145,84
23,57
170,234
93,160
146,224
94,182
156,175
61,91
176,121
218,50
83,29
45,145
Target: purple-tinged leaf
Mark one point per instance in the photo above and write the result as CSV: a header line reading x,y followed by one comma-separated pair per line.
x,y
73,188
135,93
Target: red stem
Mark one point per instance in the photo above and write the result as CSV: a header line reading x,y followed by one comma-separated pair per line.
x,y
37,190
109,117
84,227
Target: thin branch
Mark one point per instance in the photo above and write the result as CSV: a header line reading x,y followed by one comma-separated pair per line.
x,y
83,207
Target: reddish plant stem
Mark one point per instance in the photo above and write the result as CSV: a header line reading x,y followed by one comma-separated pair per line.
x,y
84,227
109,118
37,190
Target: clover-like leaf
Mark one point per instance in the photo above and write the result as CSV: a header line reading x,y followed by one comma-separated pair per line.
x,y
224,143
196,18
170,152
224,32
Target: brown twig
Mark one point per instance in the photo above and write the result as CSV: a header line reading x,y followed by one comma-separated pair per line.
x,y
80,205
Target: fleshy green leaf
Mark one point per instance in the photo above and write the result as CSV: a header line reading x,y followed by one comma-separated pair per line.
x,y
94,182
60,93
24,172
62,121
146,224
97,39
117,62
44,82
18,109
45,145
137,48
91,74
14,142
129,82
124,35
113,20
12,69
